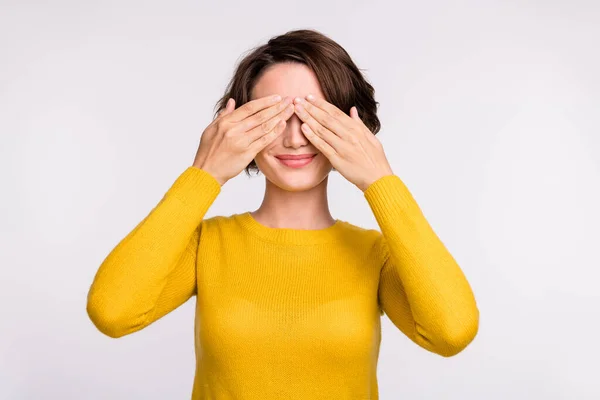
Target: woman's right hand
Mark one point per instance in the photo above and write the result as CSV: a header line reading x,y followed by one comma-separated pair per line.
x,y
236,136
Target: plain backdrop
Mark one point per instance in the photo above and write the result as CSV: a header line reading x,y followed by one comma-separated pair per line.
x,y
490,115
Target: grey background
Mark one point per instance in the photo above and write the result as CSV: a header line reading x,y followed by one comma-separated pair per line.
x,y
490,116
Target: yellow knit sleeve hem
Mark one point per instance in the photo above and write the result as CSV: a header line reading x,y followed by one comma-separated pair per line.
x,y
195,186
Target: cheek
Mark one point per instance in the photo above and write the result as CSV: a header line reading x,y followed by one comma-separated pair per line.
x,y
262,154
269,149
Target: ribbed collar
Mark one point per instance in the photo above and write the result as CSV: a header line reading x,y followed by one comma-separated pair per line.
x,y
292,236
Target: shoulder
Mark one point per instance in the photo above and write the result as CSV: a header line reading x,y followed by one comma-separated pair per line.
x,y
220,222
369,242
367,237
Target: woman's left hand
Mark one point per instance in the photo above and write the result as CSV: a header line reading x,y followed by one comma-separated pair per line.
x,y
345,140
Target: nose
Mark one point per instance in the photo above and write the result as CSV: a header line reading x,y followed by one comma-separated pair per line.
x,y
292,135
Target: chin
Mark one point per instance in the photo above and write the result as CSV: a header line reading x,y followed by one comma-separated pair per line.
x,y
295,179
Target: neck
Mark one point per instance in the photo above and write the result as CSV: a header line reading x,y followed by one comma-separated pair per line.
x,y
304,209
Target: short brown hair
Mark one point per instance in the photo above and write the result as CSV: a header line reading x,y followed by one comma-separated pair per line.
x,y
340,79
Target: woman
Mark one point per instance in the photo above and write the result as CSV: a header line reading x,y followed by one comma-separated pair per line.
x,y
289,299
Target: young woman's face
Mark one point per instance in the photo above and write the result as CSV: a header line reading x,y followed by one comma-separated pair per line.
x,y
295,80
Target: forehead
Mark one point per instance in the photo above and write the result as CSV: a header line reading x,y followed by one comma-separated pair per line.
x,y
287,79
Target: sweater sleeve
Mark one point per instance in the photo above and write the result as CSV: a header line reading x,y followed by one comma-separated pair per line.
x,y
421,289
152,270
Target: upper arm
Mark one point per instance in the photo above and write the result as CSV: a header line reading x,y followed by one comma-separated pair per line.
x,y
181,282
393,300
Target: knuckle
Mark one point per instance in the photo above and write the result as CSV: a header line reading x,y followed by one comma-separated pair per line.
x,y
263,117
243,125
282,105
229,133
327,119
222,125
265,126
249,107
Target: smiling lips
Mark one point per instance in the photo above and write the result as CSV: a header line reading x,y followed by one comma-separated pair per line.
x,y
295,156
295,160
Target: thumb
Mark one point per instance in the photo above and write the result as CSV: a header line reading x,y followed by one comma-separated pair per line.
x,y
229,107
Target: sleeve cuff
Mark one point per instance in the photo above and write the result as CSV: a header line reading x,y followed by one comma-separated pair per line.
x,y
195,186
389,194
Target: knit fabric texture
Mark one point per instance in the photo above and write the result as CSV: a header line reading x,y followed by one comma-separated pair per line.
x,y
286,313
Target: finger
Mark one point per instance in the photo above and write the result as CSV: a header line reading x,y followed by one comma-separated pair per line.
x,y
229,106
253,107
263,141
327,107
331,138
267,126
263,117
319,142
324,118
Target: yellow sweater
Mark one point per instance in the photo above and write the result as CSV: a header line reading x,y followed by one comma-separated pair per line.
x,y
286,313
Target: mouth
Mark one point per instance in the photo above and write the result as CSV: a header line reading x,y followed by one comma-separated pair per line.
x,y
296,161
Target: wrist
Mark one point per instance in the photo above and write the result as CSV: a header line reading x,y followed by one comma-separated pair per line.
x,y
207,169
375,178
